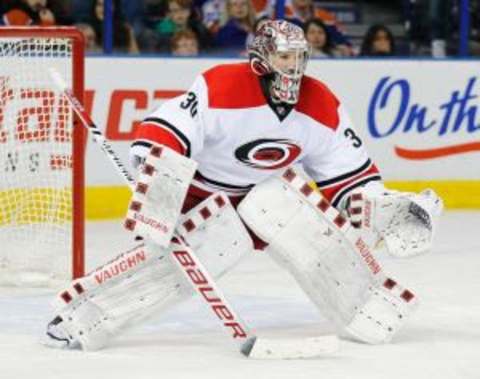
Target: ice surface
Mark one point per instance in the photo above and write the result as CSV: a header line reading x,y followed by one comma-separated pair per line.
x,y
442,341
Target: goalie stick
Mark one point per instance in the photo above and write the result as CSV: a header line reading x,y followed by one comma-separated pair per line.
x,y
201,281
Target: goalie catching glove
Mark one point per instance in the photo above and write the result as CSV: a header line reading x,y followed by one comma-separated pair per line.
x,y
402,223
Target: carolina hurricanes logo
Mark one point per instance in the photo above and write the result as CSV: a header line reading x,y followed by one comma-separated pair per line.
x,y
268,154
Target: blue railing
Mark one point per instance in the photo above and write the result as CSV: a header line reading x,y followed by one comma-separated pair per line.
x,y
464,27
108,26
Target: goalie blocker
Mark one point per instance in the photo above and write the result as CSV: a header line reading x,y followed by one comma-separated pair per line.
x,y
159,194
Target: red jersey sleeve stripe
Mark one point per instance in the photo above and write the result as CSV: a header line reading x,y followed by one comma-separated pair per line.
x,y
346,176
156,134
336,193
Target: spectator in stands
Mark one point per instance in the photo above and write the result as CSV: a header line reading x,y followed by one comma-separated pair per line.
x,y
319,39
240,22
214,11
176,18
91,44
153,13
123,37
438,19
431,25
378,41
184,43
179,16
212,14
29,12
133,10
300,11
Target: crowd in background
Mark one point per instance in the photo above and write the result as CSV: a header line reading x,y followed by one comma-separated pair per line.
x,y
193,27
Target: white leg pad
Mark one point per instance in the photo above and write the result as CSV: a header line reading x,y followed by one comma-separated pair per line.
x,y
93,312
327,256
215,232
100,313
383,314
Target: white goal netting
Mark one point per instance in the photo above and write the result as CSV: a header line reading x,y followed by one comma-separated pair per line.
x,y
35,162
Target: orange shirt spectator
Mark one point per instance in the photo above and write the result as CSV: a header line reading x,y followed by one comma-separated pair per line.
x,y
29,12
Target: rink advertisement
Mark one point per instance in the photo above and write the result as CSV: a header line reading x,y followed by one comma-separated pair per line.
x,y
419,119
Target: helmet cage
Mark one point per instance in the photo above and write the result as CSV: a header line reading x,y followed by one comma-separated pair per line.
x,y
271,40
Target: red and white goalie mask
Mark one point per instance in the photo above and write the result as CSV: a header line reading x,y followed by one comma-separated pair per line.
x,y
280,48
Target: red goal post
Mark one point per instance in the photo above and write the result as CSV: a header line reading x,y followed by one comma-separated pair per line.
x,y
42,147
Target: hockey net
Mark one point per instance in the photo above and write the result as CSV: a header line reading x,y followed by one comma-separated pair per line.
x,y
41,157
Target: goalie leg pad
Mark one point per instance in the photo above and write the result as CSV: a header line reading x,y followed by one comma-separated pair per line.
x,y
327,256
98,314
213,229
159,194
216,233
383,314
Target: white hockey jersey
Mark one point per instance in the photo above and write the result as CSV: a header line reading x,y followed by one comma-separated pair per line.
x,y
225,123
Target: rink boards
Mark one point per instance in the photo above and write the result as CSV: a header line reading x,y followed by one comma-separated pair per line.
x,y
418,118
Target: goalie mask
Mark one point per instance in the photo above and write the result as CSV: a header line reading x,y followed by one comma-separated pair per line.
x,y
279,48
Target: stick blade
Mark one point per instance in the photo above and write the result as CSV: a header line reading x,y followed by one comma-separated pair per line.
x,y
288,348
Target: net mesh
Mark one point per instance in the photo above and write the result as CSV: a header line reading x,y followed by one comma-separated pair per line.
x,y
35,162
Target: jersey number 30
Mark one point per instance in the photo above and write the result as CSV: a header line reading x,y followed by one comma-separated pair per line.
x,y
190,103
